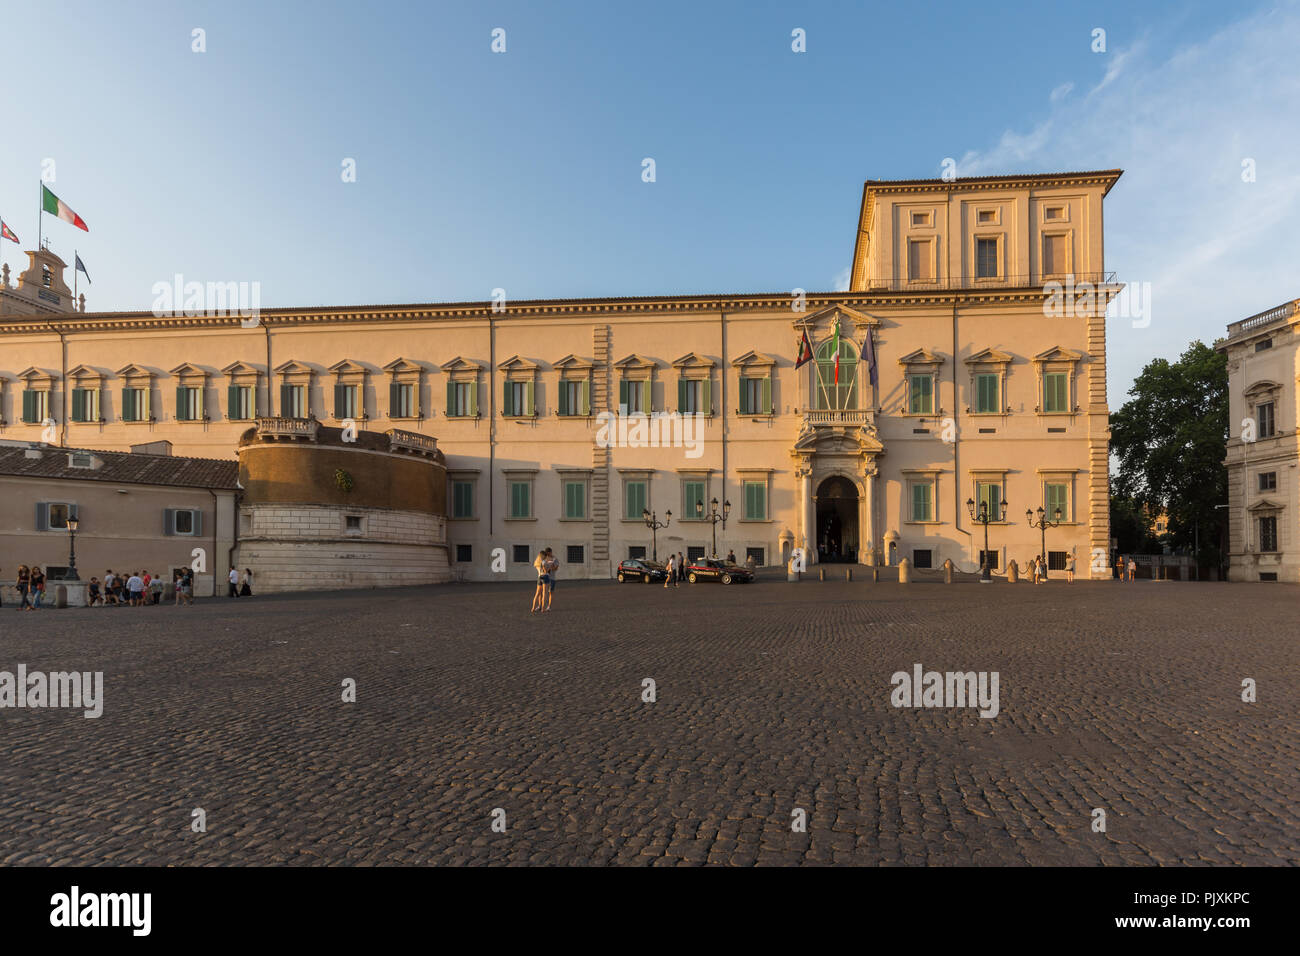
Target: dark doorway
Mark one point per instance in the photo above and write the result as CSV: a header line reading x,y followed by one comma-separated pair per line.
x,y
837,520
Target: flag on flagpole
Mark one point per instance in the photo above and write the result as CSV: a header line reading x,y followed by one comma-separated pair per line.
x,y
805,351
57,207
6,232
871,359
81,267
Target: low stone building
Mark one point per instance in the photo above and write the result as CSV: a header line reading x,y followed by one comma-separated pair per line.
x,y
328,508
133,512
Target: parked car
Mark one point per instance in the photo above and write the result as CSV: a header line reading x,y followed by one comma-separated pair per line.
x,y
715,569
639,569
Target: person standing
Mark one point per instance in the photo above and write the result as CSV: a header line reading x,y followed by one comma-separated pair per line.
x,y
539,595
731,557
37,586
24,584
135,585
671,568
681,567
246,587
1119,568
94,598
1132,568
1069,568
552,572
187,586
233,578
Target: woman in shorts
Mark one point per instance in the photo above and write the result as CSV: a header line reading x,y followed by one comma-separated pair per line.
x,y
543,582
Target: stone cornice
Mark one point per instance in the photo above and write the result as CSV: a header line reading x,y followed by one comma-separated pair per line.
x,y
773,303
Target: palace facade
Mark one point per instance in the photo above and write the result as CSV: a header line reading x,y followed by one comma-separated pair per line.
x,y
953,373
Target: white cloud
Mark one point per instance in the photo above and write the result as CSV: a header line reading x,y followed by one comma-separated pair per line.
x,y
841,281
1061,92
1214,248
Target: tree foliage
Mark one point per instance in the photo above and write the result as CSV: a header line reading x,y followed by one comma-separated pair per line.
x,y
1169,441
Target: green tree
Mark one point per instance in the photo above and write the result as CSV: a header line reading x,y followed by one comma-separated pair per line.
x,y
1169,441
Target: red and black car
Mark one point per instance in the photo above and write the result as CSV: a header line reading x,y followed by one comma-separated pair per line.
x,y
715,569
639,569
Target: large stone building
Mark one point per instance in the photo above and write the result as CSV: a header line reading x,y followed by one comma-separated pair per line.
x,y
963,374
1263,454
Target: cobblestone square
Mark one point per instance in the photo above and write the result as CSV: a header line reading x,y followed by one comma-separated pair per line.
x,y
771,697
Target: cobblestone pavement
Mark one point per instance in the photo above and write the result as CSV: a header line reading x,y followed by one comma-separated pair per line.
x,y
770,697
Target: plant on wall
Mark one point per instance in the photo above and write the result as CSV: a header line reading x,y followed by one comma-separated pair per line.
x,y
343,479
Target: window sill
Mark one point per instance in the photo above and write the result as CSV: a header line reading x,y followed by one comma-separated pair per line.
x,y
753,520
577,520
518,519
473,518
470,418
932,522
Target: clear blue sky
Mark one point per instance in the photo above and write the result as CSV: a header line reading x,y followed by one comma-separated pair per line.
x,y
523,170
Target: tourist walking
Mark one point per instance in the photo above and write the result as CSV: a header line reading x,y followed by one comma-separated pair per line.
x,y
1069,568
233,577
37,586
187,586
671,568
1132,568
94,597
246,583
23,582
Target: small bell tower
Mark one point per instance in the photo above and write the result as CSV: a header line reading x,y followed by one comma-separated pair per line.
x,y
40,290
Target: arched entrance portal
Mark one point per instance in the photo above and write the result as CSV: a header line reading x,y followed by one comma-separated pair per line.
x,y
837,520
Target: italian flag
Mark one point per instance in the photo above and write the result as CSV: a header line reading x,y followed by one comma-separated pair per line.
x,y
57,207
836,346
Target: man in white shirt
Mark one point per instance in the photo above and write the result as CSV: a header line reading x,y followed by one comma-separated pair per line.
x,y
135,586
234,583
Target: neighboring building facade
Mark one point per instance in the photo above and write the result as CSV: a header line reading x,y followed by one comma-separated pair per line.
x,y
1263,453
135,512
979,395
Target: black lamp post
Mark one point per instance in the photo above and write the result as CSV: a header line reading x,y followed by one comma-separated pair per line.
x,y
72,550
983,517
652,522
1043,523
714,517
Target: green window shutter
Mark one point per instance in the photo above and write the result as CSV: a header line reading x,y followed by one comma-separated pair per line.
x,y
394,399
169,521
340,401
473,397
530,404
506,394
451,397
78,405
766,407
182,413
645,397
232,402
681,395
286,401
622,394
29,406
42,516
128,405
706,397
198,523
564,397
585,397
744,397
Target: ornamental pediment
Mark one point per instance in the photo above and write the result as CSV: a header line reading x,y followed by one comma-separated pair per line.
x,y
574,362
294,367
921,357
460,364
1058,353
188,369
517,363
989,357
348,367
399,365
851,320
636,361
693,360
239,368
752,359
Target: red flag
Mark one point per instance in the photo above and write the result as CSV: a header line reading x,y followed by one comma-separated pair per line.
x,y
6,232
805,351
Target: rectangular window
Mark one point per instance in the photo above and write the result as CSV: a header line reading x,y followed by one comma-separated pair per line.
x,y
1054,258
36,406
182,521
992,557
1054,212
922,558
918,259
988,497
986,258
575,397
755,500
1056,560
636,552
695,553
1268,481
293,401
401,400
135,404
1268,533
85,405
920,219
692,492
922,501
1263,344
462,399
462,499
755,396
575,554
1056,495
634,499
352,524
757,554
987,217
575,500
634,397
189,403
521,554
1264,410
55,517
517,399
920,394
347,401
690,397
986,393
521,499
464,553
1056,392
239,402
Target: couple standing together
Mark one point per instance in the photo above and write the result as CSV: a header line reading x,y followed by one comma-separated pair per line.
x,y
547,565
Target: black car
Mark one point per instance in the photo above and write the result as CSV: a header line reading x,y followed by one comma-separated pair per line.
x,y
639,569
715,569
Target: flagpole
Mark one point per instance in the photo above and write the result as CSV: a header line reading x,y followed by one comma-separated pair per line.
x,y
74,277
41,212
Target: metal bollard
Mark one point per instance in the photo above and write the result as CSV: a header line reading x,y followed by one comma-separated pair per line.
x,y
947,571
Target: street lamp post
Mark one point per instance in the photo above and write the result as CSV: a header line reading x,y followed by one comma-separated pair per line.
x,y
654,524
1043,523
983,517
714,517
72,550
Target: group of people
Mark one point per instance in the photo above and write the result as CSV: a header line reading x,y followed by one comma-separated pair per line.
x,y
547,564
1121,567
30,583
241,585
1037,569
